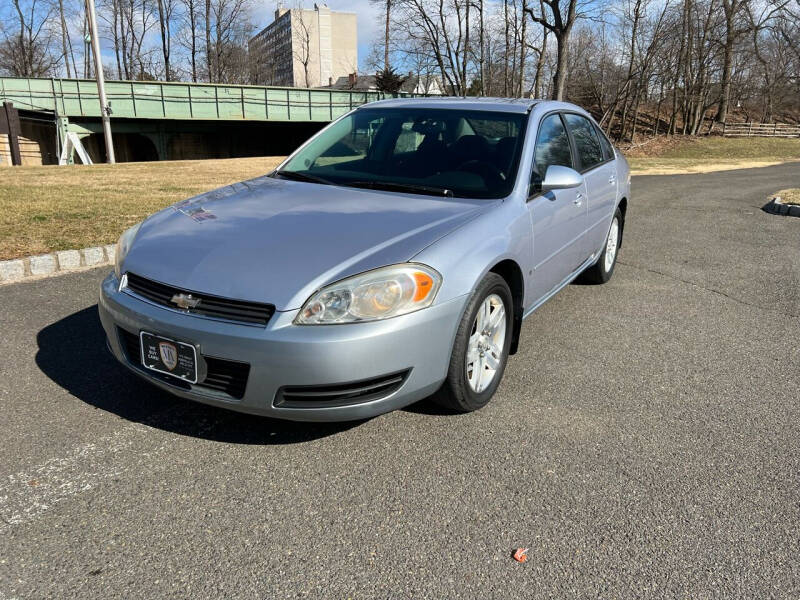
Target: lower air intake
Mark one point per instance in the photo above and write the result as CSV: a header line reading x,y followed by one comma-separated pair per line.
x,y
340,394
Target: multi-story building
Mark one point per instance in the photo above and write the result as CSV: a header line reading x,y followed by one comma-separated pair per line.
x,y
304,48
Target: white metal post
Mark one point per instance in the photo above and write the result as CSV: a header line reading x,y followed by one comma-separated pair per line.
x,y
101,86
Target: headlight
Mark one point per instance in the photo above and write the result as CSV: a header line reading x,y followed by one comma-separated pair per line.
x,y
379,294
123,247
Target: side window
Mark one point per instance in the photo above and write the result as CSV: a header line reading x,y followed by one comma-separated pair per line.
x,y
590,153
608,149
552,147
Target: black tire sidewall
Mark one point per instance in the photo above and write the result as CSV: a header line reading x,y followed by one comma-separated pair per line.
x,y
467,397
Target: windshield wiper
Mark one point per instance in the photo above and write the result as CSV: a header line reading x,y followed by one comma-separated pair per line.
x,y
297,176
401,187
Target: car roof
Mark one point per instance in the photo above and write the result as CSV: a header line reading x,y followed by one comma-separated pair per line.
x,y
513,105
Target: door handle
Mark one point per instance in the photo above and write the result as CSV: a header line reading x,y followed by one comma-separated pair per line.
x,y
612,180
578,199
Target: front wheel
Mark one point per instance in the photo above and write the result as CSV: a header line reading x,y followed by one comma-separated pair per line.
x,y
603,269
480,351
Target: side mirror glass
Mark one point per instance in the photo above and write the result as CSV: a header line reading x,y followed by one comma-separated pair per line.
x,y
560,178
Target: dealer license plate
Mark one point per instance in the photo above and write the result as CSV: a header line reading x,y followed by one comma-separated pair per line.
x,y
168,356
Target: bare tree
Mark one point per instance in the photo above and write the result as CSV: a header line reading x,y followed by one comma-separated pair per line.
x,y
227,29
26,43
442,28
188,36
641,66
166,10
66,43
560,21
302,31
481,47
128,24
734,11
770,52
541,53
386,9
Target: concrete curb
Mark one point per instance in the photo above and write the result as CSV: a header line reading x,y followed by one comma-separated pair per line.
x,y
776,206
55,263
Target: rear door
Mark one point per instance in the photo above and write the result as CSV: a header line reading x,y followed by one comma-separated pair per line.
x,y
599,171
558,218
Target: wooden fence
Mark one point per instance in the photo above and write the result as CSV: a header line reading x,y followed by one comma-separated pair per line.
x,y
760,130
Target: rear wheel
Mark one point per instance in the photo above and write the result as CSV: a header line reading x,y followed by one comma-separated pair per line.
x,y
603,269
480,351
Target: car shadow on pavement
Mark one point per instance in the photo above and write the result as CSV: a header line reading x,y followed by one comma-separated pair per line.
x,y
72,352
428,407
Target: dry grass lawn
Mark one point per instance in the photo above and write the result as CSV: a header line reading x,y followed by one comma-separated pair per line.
x,y
49,208
43,209
665,156
790,196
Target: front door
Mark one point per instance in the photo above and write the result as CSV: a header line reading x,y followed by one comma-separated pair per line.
x,y
559,217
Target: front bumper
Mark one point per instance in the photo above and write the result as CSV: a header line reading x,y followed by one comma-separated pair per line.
x,y
283,354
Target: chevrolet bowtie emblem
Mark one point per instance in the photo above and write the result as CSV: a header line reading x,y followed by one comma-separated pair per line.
x,y
185,301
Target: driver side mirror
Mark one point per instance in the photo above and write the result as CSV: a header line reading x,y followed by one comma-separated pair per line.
x,y
560,178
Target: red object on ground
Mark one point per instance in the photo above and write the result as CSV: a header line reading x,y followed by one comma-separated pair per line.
x,y
521,555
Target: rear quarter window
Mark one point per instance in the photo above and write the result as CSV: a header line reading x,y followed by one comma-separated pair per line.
x,y
608,149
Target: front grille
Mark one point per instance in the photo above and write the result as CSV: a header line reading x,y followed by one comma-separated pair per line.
x,y
226,376
210,306
343,394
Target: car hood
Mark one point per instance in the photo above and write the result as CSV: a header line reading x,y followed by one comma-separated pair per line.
x,y
278,241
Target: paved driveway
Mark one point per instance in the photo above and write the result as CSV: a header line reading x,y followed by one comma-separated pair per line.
x,y
644,443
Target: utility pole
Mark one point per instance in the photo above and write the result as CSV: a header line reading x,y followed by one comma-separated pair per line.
x,y
101,86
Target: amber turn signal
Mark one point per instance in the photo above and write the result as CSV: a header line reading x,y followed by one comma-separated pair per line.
x,y
424,285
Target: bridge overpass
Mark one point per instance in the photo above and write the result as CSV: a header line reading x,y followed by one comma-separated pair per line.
x,y
154,120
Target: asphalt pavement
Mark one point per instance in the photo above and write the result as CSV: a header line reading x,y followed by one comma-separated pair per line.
x,y
644,443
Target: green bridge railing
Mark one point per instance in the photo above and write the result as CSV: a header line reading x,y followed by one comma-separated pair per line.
x,y
75,98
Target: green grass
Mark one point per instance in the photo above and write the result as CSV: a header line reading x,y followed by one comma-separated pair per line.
x,y
49,208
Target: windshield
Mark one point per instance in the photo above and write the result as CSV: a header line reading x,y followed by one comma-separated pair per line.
x,y
463,153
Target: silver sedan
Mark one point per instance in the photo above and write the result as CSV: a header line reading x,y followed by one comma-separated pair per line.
x,y
391,258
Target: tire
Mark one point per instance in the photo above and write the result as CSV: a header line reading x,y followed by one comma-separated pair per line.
x,y
467,387
603,269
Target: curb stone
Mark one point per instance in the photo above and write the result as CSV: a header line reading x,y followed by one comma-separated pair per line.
x,y
12,270
55,263
68,259
776,206
93,256
42,265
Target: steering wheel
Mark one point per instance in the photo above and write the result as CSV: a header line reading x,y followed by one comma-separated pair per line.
x,y
486,170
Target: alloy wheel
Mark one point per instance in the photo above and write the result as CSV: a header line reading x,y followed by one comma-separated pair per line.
x,y
611,244
486,342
